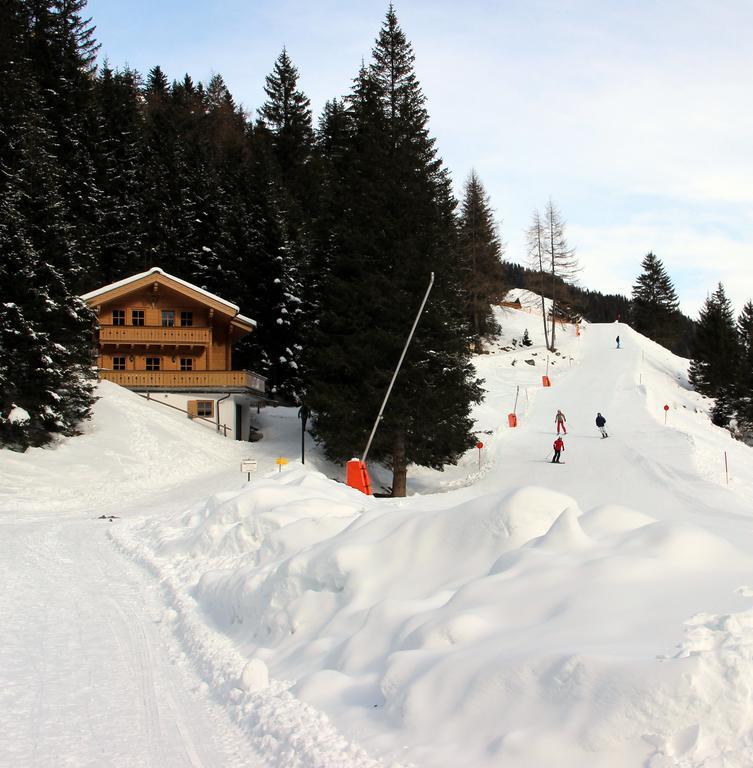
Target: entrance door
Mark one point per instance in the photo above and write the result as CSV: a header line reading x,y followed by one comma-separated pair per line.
x,y
238,421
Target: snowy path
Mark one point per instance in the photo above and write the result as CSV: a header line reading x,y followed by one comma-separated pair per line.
x,y
87,676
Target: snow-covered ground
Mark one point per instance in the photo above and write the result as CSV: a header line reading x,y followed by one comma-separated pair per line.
x,y
508,612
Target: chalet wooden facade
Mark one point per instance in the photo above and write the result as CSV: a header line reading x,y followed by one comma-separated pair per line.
x,y
164,336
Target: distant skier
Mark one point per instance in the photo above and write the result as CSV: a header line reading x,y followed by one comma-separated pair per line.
x,y
560,420
618,342
601,424
558,446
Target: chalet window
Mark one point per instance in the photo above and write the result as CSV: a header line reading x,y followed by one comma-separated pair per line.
x,y
118,317
153,363
186,363
168,318
118,363
137,317
186,318
205,408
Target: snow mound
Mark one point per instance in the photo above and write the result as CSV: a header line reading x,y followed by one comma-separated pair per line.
x,y
469,629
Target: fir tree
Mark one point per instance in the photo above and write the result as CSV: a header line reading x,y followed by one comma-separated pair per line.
x,y
62,51
744,384
46,374
655,307
287,115
396,224
118,176
168,209
480,256
286,128
715,348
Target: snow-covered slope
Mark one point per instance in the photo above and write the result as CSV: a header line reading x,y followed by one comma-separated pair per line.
x,y
519,613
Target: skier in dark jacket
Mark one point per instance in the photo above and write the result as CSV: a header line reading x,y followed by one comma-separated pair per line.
x,y
558,446
601,423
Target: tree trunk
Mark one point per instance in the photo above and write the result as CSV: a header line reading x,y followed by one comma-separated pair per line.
x,y
476,327
399,466
554,305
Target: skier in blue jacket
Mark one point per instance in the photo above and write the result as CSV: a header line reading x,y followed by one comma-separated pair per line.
x,y
601,424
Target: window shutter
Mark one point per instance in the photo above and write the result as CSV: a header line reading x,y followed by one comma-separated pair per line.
x,y
193,408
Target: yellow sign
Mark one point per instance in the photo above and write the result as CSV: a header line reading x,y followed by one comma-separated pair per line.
x,y
281,461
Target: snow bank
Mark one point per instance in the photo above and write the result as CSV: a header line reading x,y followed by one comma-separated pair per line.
x,y
509,629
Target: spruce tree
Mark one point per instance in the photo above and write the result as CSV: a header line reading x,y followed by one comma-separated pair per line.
x,y
395,225
46,332
744,383
655,306
716,348
168,209
62,52
118,176
287,115
480,254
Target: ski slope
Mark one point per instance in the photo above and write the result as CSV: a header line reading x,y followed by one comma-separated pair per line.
x,y
508,612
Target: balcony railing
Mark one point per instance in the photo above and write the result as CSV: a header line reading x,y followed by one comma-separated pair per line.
x,y
186,380
153,335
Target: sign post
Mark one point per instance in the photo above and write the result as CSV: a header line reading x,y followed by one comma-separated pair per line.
x,y
248,466
479,445
281,462
666,408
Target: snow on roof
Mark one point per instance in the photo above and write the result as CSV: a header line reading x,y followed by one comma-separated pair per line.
x,y
245,319
158,271
527,299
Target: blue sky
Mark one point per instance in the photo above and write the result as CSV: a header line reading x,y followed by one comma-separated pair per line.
x,y
636,118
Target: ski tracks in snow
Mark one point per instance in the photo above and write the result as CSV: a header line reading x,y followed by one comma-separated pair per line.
x,y
86,676
284,731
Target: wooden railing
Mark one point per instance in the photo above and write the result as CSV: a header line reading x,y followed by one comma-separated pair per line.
x,y
153,334
186,380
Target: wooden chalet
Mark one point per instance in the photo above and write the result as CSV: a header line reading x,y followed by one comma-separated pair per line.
x,y
163,336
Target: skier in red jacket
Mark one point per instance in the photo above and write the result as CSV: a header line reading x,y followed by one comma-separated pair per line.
x,y
558,446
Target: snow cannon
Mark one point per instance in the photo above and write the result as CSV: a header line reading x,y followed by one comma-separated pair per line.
x,y
357,476
512,420
545,381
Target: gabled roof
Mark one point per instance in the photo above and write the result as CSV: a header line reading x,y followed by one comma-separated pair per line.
x,y
165,278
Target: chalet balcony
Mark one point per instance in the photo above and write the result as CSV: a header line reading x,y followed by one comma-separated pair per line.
x,y
154,335
187,381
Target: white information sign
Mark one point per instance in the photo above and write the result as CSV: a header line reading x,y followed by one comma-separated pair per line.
x,y
248,465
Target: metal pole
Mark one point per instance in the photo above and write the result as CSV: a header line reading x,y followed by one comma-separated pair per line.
x,y
515,407
726,469
400,362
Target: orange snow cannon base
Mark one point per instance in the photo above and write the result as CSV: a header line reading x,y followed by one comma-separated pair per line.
x,y
357,476
512,420
545,381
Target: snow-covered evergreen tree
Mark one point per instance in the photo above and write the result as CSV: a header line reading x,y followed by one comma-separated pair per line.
x,y
393,223
744,384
